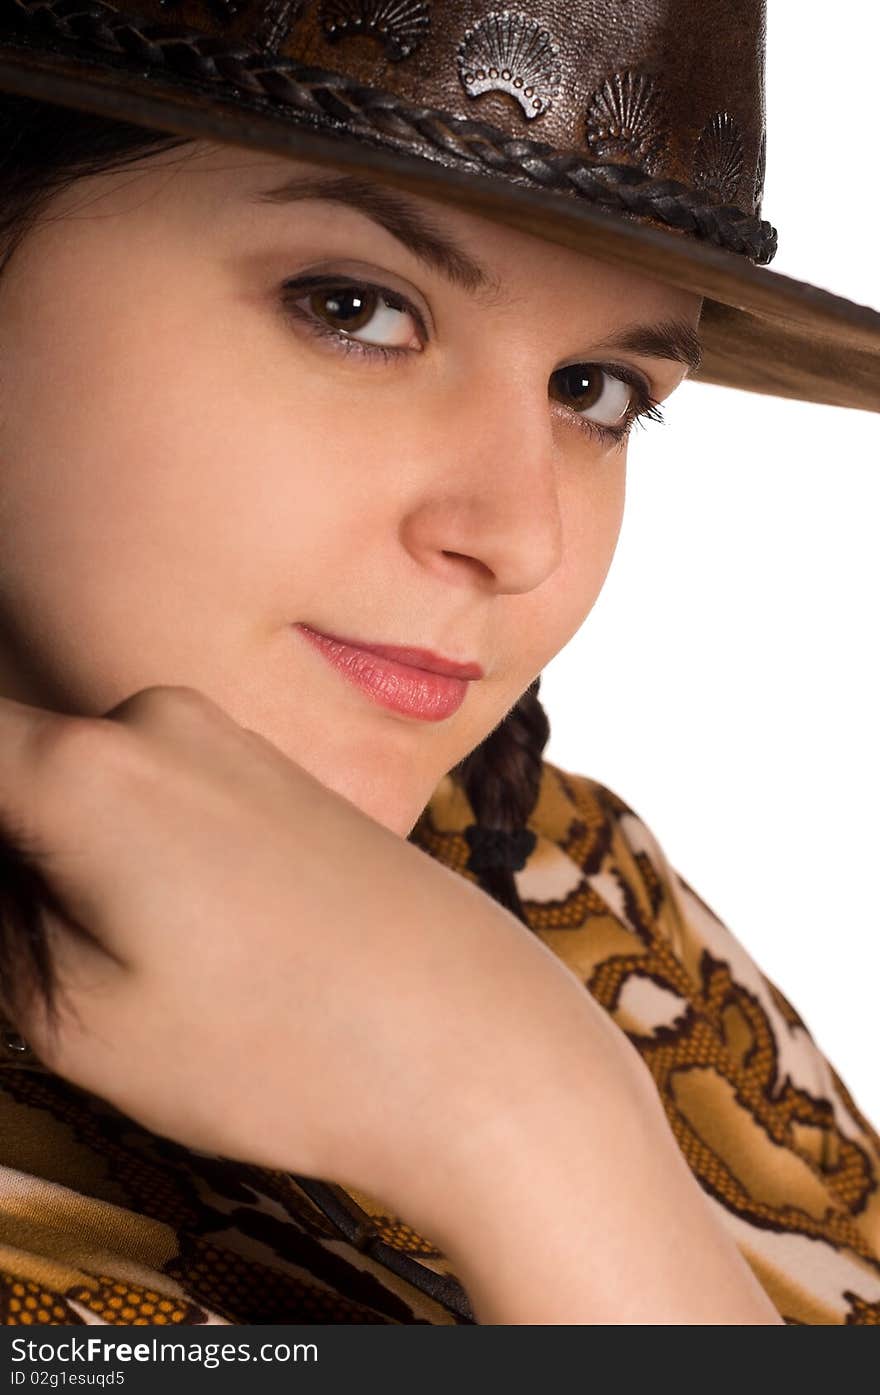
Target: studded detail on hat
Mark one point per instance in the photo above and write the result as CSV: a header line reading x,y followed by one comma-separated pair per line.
x,y
718,159
626,120
509,52
399,25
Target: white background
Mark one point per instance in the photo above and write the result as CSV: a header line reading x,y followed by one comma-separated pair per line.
x,y
725,683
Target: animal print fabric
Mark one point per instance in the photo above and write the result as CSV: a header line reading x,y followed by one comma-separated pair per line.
x,y
103,1222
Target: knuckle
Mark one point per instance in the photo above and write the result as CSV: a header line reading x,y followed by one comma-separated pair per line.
x,y
187,699
73,742
81,749
160,700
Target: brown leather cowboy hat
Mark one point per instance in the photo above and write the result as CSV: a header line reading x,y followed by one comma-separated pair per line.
x,y
633,131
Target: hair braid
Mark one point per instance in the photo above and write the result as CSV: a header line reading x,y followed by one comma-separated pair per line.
x,y
501,779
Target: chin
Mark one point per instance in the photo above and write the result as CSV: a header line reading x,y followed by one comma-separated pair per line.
x,y
388,801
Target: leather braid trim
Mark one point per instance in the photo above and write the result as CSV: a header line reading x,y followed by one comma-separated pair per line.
x,y
334,101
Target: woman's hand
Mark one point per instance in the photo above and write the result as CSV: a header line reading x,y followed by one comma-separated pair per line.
x,y
274,976
270,975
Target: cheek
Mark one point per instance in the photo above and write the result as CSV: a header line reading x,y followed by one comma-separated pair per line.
x,y
147,521
593,520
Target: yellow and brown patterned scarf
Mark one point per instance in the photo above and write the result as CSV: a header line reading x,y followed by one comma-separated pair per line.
x,y
104,1222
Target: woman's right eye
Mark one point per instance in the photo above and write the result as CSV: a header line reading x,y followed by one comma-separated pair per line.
x,y
385,322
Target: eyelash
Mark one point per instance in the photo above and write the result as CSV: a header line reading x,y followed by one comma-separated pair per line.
x,y
645,408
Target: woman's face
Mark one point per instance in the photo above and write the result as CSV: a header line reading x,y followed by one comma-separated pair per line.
x,y
192,464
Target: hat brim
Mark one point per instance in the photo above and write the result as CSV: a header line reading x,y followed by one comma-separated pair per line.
x,y
761,331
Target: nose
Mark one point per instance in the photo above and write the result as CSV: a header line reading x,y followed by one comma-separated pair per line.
x,y
488,503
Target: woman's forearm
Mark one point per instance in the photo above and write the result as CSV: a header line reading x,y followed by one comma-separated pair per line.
x,y
540,1159
601,1221
581,1209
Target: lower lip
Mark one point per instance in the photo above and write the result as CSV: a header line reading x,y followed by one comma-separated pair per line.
x,y
416,692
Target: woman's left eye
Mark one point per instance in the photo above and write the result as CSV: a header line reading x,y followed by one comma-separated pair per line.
x,y
606,401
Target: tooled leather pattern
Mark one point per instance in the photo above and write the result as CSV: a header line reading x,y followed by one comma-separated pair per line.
x,y
629,114
673,86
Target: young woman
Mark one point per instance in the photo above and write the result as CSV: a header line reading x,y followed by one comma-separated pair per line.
x,y
306,476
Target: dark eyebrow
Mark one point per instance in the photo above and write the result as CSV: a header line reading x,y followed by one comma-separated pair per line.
x,y
674,339
398,217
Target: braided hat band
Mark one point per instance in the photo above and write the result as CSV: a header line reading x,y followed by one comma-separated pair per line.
x,y
630,130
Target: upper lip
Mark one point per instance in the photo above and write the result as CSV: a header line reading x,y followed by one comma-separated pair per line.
x,y
408,654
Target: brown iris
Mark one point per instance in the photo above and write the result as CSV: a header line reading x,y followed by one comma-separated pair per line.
x,y
581,384
353,306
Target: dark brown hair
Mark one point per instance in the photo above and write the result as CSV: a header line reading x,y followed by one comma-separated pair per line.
x,y
43,149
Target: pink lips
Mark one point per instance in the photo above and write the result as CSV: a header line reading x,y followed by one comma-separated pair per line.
x,y
411,681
